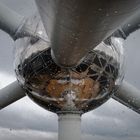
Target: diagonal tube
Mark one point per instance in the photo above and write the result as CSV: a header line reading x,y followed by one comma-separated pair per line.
x,y
10,94
132,24
15,25
10,21
129,96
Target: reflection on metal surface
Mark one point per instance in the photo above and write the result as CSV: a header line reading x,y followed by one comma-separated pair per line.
x,y
74,27
80,88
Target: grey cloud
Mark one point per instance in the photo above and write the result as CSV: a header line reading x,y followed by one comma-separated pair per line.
x,y
132,50
24,7
6,55
105,137
26,115
9,134
100,123
112,119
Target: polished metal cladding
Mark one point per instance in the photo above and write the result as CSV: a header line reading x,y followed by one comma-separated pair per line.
x,y
76,26
78,89
129,96
10,94
60,89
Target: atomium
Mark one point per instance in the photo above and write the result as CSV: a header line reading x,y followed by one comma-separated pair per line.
x,y
81,88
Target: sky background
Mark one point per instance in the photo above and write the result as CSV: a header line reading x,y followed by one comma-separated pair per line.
x,y
25,120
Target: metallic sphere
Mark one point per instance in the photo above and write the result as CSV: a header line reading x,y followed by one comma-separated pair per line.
x,y
58,89
81,88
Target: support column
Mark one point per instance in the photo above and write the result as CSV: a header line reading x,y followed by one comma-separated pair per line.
x,y
69,126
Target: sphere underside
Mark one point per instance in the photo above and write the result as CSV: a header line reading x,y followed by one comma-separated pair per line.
x,y
81,88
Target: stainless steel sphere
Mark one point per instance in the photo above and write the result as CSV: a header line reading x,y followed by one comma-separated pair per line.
x,y
81,88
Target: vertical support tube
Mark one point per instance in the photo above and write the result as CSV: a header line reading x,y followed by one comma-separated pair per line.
x,y
69,126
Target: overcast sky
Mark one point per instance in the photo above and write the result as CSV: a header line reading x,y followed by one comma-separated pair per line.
x,y
25,120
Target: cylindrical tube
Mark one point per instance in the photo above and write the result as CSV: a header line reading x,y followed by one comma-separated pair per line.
x,y
132,24
75,27
10,21
10,94
129,96
15,25
69,126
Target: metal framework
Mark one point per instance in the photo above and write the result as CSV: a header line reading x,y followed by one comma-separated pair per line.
x,y
69,36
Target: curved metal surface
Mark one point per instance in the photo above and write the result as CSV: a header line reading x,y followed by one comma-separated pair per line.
x,y
76,26
10,94
10,21
132,24
129,96
15,25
